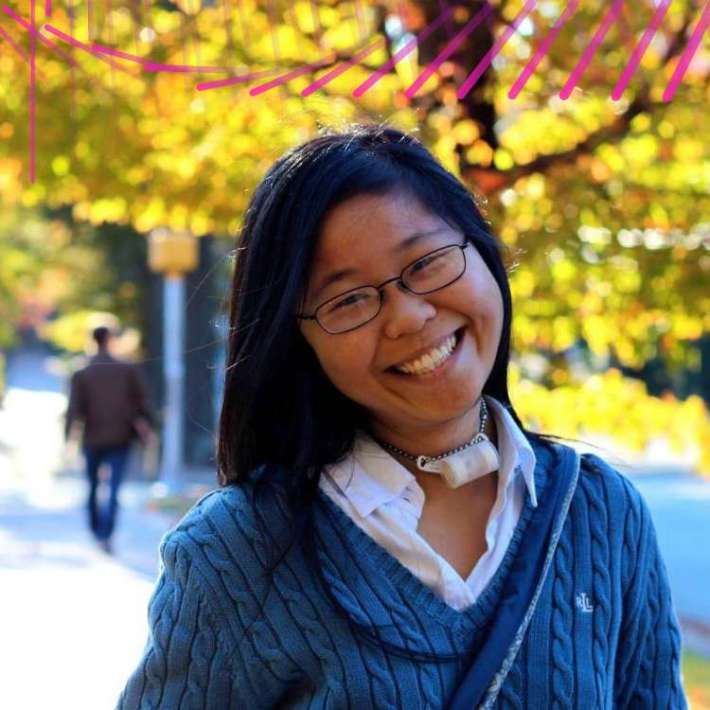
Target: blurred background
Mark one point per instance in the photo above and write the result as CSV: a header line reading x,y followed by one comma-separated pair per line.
x,y
132,134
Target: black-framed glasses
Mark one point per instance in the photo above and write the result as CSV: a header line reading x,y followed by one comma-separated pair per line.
x,y
354,308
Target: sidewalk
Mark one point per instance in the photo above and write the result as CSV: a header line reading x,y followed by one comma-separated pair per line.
x,y
68,609
73,620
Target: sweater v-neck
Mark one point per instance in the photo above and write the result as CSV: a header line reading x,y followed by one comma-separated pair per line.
x,y
381,568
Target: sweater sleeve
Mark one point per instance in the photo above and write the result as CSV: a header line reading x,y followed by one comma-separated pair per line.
x,y
648,659
187,660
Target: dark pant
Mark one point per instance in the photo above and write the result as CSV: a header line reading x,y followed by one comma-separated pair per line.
x,y
102,520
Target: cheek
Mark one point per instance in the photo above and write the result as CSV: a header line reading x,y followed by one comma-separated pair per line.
x,y
484,296
498,308
493,317
492,303
346,365
349,363
479,300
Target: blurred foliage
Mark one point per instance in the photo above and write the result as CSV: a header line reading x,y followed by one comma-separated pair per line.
x,y
609,404
72,331
604,204
51,265
39,267
696,680
124,144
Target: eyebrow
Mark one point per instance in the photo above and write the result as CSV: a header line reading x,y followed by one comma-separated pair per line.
x,y
410,241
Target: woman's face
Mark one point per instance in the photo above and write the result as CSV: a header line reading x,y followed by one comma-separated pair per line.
x,y
366,234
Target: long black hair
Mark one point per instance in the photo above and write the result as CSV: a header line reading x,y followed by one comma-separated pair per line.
x,y
280,411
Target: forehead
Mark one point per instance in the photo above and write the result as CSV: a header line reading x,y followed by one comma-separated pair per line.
x,y
370,226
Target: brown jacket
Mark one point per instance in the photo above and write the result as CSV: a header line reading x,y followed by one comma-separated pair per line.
x,y
108,395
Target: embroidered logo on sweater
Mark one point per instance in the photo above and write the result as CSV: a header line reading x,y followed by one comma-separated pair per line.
x,y
584,604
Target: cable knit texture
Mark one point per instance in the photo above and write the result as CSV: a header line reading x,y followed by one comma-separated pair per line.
x,y
227,633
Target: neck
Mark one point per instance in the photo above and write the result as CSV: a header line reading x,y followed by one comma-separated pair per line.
x,y
434,441
434,487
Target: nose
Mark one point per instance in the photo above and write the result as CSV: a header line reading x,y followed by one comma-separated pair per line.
x,y
403,311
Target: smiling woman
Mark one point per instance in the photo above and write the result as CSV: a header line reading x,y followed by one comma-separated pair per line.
x,y
387,533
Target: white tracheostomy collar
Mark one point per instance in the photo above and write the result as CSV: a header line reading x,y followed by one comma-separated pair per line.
x,y
370,477
464,466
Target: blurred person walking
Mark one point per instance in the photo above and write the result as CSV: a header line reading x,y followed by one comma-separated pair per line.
x,y
109,397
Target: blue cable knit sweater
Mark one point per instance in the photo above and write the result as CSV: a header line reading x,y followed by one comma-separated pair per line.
x,y
223,634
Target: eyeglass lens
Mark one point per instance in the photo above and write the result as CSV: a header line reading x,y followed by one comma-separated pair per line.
x,y
355,308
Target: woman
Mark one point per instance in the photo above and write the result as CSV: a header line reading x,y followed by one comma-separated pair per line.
x,y
388,534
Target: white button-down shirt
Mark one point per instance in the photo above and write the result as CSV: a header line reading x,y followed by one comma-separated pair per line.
x,y
384,499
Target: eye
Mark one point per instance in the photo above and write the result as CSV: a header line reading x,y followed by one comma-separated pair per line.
x,y
428,263
423,263
349,300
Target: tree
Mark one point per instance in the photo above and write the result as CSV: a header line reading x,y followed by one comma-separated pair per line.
x,y
604,203
607,197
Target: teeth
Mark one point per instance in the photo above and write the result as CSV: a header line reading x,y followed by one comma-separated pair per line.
x,y
429,361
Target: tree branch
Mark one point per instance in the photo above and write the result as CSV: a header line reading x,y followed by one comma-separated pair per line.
x,y
491,180
499,179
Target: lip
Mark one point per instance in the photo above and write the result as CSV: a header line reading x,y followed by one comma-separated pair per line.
x,y
442,369
422,351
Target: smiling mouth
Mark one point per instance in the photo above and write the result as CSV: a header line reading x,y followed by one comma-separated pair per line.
x,y
458,335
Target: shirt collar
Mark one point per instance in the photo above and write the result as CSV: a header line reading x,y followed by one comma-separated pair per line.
x,y
517,456
370,477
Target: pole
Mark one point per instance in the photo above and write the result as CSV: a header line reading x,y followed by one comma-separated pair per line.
x,y
173,339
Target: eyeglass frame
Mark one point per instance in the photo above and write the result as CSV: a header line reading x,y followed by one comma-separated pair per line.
x,y
380,288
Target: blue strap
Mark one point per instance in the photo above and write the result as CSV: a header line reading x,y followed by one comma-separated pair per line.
x,y
517,592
